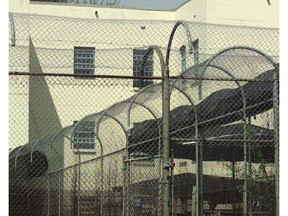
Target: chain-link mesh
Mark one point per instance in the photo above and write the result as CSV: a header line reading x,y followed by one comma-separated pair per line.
x,y
86,117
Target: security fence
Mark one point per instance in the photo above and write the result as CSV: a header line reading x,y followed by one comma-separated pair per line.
x,y
117,117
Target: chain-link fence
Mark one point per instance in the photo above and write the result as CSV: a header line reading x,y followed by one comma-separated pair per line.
x,y
100,123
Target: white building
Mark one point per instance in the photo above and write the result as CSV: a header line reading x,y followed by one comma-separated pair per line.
x,y
258,13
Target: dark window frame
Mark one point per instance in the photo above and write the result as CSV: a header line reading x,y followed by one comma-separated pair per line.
x,y
84,61
84,139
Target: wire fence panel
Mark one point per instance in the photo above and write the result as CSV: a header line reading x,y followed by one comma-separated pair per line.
x,y
87,118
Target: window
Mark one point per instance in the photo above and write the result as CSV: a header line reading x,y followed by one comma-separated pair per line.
x,y
83,138
147,71
84,60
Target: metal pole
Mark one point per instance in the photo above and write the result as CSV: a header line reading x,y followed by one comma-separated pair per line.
x,y
233,184
102,180
199,179
79,187
233,180
48,185
166,165
59,193
245,177
124,187
245,153
276,135
101,171
128,201
78,177
249,172
126,182
166,111
165,123
159,210
172,183
48,192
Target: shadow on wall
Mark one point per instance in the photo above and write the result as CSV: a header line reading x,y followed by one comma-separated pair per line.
x,y
43,116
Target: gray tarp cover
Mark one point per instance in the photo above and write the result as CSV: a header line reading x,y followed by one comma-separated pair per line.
x,y
214,115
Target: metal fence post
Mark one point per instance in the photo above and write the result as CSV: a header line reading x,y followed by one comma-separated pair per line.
x,y
199,179
172,182
59,193
166,165
245,186
166,112
101,171
124,193
48,193
276,136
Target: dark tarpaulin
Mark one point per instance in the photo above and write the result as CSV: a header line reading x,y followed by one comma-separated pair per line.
x,y
220,143
220,108
225,143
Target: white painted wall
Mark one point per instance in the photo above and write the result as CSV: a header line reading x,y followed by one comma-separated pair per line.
x,y
86,11
244,12
19,6
234,12
194,11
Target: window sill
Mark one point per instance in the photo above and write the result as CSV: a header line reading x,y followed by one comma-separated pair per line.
x,y
84,151
136,89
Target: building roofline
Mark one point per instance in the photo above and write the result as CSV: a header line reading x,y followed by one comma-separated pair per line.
x,y
107,6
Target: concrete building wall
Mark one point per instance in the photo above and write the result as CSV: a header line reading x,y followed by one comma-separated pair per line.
x,y
18,118
86,11
194,11
103,13
256,13
249,13
19,6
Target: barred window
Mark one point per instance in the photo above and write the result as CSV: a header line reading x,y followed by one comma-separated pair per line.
x,y
83,138
147,71
84,60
